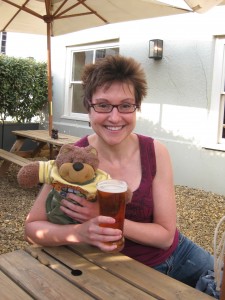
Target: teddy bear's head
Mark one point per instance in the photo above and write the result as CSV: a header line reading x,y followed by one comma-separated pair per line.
x,y
77,165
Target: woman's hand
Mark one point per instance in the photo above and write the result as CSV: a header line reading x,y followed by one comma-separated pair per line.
x,y
83,212
93,233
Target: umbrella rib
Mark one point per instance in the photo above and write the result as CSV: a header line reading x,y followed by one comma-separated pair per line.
x,y
48,7
59,8
66,10
23,8
13,16
73,15
80,2
94,12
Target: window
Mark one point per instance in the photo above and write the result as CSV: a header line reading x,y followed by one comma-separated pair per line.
x,y
216,119
77,58
3,42
222,104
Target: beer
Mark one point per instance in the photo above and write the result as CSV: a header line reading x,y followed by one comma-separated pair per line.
x,y
111,195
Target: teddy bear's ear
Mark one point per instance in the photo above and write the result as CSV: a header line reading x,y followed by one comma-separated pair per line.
x,y
66,148
91,150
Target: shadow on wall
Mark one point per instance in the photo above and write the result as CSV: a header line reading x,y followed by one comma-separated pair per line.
x,y
193,165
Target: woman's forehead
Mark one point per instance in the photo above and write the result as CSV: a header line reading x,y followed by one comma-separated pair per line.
x,y
125,87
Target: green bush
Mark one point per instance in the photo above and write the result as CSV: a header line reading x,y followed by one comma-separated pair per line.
x,y
23,88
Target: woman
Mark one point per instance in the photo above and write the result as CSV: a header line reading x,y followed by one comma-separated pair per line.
x,y
113,90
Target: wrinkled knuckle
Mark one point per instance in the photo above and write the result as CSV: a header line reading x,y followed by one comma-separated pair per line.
x,y
90,229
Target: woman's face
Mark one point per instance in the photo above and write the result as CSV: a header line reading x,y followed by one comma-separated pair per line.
x,y
113,127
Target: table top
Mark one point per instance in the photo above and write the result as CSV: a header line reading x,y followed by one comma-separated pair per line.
x,y
43,136
84,272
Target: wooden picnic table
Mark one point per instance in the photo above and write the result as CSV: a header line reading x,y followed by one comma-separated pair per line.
x,y
84,272
41,138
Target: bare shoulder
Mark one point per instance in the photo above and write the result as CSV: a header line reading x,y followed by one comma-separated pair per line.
x,y
163,160
160,149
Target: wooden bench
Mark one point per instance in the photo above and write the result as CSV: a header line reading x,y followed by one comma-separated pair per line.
x,y
10,157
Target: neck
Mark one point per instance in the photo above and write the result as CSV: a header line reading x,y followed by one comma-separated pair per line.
x,y
114,152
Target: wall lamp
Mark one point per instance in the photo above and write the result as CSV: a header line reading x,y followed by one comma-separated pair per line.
x,y
155,49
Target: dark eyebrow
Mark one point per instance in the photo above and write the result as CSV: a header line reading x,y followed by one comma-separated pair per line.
x,y
100,100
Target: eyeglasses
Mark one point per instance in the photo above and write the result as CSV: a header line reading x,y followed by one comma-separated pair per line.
x,y
124,108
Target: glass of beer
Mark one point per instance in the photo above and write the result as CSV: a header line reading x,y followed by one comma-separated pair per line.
x,y
111,195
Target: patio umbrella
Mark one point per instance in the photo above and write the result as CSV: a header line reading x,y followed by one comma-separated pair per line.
x,y
202,6
57,17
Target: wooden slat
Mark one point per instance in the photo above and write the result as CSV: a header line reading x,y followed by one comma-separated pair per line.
x,y
6,163
140,275
94,280
14,158
43,136
38,280
16,293
17,145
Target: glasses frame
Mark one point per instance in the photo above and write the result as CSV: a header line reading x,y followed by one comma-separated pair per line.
x,y
135,106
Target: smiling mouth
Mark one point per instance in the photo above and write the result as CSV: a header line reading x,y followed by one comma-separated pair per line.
x,y
114,128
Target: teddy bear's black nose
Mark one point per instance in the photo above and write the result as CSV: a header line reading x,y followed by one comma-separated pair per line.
x,y
78,166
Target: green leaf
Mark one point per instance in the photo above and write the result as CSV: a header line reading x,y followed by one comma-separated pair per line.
x,y
23,88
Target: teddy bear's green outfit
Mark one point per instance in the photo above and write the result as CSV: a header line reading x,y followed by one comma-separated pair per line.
x,y
48,173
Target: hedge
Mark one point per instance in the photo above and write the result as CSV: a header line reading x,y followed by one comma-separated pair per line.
x,y
23,88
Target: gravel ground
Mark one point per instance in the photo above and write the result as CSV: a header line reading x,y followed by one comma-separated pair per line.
x,y
198,212
15,204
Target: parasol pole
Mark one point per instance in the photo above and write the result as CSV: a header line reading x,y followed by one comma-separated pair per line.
x,y
49,71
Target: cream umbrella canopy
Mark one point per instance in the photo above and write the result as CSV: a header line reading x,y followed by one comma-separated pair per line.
x,y
57,17
201,6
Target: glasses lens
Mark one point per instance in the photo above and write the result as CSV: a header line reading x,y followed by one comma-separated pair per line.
x,y
102,107
126,108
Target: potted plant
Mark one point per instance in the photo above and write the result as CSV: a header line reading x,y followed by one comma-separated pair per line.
x,y
23,95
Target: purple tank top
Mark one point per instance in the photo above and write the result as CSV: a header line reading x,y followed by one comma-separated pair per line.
x,y
140,209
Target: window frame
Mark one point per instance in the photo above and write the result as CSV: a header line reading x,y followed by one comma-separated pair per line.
x,y
68,114
214,138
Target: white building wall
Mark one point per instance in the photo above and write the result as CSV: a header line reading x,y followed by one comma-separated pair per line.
x,y
176,108
179,97
26,45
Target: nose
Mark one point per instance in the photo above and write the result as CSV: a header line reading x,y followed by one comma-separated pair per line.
x,y
78,166
114,114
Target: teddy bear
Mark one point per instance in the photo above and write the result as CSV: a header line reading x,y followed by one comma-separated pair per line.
x,y
75,170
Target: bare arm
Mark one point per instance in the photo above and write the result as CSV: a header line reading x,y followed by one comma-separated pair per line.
x,y
38,230
160,233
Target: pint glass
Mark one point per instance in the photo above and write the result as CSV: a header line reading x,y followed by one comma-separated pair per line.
x,y
111,195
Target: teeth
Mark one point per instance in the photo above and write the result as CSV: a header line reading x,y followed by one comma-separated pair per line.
x,y
114,128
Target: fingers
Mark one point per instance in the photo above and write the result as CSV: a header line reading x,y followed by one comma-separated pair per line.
x,y
104,233
92,230
76,202
104,237
107,237
79,200
78,215
107,247
82,210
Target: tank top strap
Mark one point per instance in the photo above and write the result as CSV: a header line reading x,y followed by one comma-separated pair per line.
x,y
147,152
83,142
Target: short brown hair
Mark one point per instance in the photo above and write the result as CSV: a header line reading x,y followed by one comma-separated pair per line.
x,y
111,69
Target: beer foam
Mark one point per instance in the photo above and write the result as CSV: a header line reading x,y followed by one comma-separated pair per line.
x,y
112,186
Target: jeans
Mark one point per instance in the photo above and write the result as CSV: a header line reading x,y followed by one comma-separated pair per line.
x,y
187,263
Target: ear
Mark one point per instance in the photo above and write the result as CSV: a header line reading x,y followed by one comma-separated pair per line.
x,y
66,148
28,176
91,150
